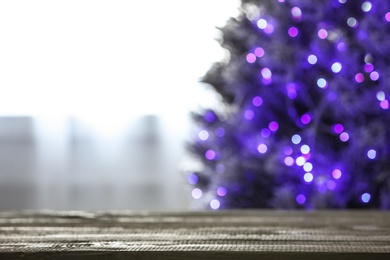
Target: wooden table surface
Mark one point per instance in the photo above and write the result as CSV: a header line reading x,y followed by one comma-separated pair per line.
x,y
193,235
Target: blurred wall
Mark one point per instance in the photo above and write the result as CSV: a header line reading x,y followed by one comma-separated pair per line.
x,y
64,163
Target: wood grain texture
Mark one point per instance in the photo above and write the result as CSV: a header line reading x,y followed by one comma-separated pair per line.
x,y
189,235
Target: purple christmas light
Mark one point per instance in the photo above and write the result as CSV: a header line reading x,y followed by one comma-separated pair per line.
x,y
306,119
273,126
291,90
384,104
374,76
296,13
368,67
269,29
259,52
220,132
338,128
192,179
250,57
305,114
221,191
293,31
301,198
341,46
288,150
322,33
336,173
210,155
387,16
210,116
265,132
359,77
257,101
344,136
289,161
249,114
331,185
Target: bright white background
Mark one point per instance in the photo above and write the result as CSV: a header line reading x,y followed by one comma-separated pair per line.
x,y
93,57
103,63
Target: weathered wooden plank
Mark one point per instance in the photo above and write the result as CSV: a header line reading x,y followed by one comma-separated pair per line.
x,y
174,235
195,255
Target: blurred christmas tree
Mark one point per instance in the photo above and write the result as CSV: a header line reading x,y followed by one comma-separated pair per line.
x,y
305,120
